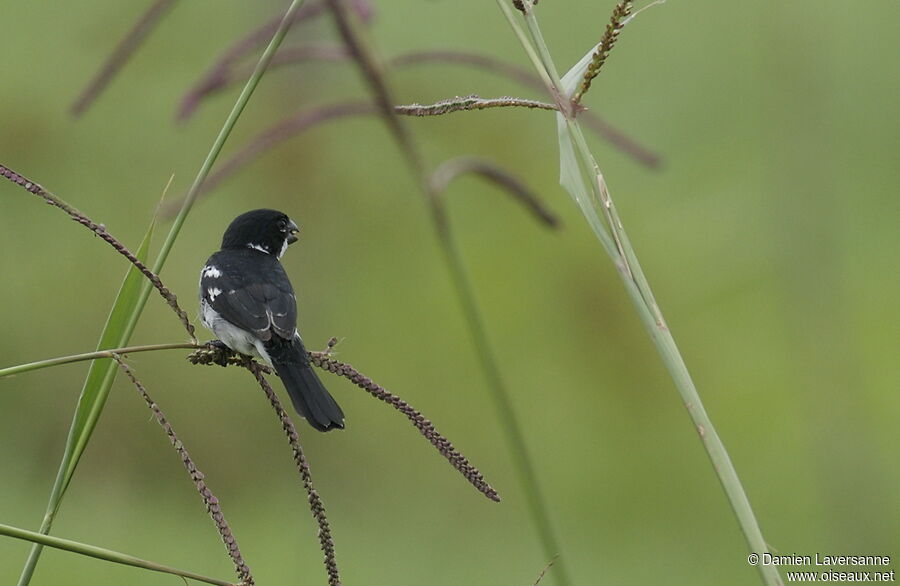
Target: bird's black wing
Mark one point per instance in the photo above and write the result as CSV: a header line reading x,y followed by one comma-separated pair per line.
x,y
250,289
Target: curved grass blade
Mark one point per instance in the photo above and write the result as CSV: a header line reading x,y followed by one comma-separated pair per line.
x,y
581,176
121,54
102,554
93,395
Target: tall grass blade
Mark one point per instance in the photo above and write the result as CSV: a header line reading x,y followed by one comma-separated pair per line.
x,y
372,72
93,395
573,175
132,315
581,176
102,554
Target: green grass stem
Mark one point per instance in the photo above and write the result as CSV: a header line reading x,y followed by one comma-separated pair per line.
x,y
619,248
82,428
511,428
91,400
111,353
103,554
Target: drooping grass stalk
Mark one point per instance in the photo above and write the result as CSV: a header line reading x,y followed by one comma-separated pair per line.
x,y
282,131
308,119
515,437
213,507
86,421
223,75
316,506
425,427
111,353
101,231
120,55
209,355
610,134
103,554
509,183
218,73
616,242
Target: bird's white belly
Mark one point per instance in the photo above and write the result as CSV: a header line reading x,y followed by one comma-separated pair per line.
x,y
234,337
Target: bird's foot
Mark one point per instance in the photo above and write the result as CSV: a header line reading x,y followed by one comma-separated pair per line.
x,y
212,352
216,352
220,353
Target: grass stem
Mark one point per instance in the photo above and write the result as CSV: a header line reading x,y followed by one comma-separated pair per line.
x,y
121,54
498,391
77,442
213,507
103,554
622,253
111,353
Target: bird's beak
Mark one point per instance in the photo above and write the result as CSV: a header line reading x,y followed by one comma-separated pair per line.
x,y
292,232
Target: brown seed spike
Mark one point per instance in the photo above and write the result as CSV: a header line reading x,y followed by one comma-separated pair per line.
x,y
213,354
101,231
209,500
316,507
616,22
425,427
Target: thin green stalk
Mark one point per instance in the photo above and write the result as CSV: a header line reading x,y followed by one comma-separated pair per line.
x,y
623,244
536,60
104,554
543,54
111,353
70,460
509,422
639,290
227,127
93,393
368,63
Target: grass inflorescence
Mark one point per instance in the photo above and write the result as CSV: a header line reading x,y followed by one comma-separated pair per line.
x,y
209,499
101,231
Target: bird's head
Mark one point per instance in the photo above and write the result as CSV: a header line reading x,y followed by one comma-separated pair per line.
x,y
268,231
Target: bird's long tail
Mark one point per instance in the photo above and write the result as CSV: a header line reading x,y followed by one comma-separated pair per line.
x,y
309,396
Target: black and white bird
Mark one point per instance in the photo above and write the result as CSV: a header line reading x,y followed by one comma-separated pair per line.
x,y
247,301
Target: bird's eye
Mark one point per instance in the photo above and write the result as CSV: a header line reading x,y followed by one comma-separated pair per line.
x,y
282,224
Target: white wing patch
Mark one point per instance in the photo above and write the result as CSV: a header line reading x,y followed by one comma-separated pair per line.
x,y
213,292
258,247
211,272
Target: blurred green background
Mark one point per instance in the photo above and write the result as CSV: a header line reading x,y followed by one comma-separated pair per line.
x,y
770,235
